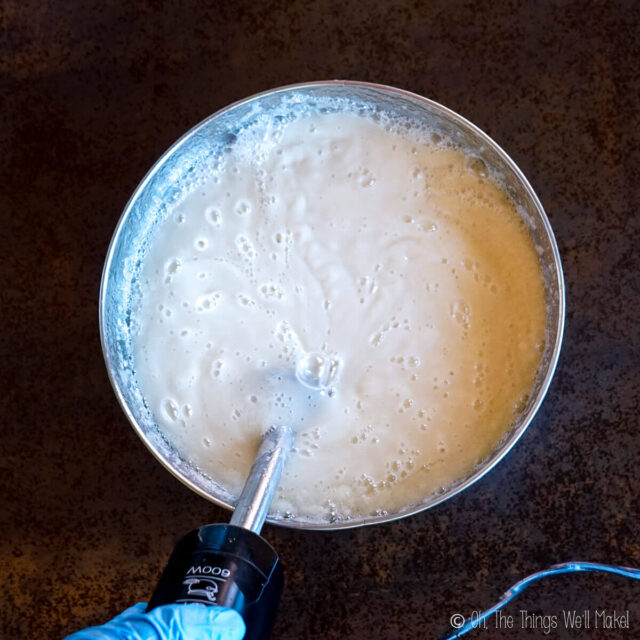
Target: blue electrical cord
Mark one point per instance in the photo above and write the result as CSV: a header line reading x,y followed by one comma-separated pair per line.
x,y
476,621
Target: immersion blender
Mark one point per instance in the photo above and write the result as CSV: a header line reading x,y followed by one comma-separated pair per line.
x,y
231,565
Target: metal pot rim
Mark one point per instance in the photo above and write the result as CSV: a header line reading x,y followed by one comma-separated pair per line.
x,y
483,468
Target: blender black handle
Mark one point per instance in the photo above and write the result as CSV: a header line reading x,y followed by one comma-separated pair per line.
x,y
227,566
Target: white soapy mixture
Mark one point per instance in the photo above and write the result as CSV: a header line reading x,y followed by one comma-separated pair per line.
x,y
394,254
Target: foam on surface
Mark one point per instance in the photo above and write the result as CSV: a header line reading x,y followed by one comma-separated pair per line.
x,y
377,244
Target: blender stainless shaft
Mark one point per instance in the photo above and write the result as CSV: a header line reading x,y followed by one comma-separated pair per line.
x,y
254,501
230,565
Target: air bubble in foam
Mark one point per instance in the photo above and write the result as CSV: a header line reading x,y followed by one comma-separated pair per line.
x,y
245,247
216,368
478,166
271,291
245,301
460,311
213,216
209,301
170,409
377,338
172,266
366,178
242,208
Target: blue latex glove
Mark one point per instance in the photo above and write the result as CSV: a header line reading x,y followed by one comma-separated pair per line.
x,y
169,622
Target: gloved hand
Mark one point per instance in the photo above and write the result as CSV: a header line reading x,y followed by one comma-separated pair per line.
x,y
169,622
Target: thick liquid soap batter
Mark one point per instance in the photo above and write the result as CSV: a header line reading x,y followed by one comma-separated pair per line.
x,y
380,247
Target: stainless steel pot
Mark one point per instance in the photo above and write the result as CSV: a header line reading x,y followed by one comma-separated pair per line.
x,y
188,160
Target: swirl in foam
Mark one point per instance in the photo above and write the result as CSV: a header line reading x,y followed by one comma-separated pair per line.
x,y
397,257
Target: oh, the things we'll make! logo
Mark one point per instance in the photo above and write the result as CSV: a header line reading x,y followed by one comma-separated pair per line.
x,y
568,619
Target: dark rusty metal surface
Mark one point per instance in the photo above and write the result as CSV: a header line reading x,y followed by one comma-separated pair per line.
x,y
92,93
